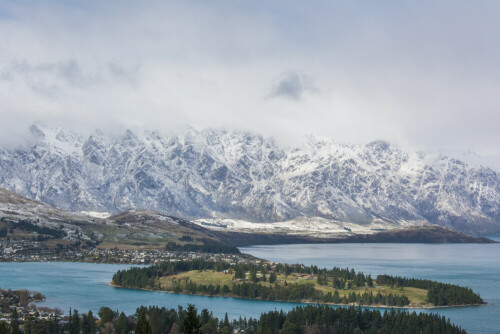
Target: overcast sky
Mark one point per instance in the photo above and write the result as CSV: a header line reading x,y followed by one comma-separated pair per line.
x,y
419,73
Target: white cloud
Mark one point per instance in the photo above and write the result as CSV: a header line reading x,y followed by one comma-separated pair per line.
x,y
424,74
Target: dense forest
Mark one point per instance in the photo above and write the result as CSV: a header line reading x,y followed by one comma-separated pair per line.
x,y
289,292
308,319
144,277
438,294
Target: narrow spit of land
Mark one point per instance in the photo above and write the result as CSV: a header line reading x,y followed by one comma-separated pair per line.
x,y
297,283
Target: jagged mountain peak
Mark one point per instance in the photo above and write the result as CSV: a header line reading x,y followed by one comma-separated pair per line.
x,y
381,145
242,175
56,139
51,134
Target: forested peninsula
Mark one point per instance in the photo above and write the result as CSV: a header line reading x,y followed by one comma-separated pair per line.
x,y
298,283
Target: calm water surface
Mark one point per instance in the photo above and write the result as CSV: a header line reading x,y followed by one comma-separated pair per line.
x,y
86,286
474,265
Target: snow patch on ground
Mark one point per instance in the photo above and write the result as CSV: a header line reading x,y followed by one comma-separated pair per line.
x,y
96,214
309,226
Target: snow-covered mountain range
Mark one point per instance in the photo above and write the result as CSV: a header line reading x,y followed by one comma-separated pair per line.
x,y
218,174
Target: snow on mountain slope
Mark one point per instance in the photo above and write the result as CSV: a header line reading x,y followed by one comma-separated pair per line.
x,y
304,226
472,158
222,174
14,208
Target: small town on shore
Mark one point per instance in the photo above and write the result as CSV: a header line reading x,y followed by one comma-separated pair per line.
x,y
36,251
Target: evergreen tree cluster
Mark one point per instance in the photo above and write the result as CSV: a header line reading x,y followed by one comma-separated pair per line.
x,y
75,323
289,292
366,299
144,278
337,277
302,319
324,319
439,294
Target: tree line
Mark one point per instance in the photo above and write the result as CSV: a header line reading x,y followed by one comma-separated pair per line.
x,y
301,319
145,277
439,294
288,292
324,319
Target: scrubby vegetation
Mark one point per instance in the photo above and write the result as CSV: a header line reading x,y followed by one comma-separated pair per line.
x,y
30,226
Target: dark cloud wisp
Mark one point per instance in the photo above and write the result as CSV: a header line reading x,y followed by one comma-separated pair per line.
x,y
293,86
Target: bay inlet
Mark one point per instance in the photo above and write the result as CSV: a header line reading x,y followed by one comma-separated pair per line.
x,y
85,286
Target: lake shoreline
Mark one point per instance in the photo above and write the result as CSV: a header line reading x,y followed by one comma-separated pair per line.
x,y
302,301
85,286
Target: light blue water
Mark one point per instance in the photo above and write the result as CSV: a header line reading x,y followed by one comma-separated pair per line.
x,y
474,265
86,286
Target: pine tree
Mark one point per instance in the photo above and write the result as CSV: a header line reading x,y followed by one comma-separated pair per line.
x,y
369,280
142,325
121,326
75,321
191,324
90,317
319,279
105,314
85,324
253,275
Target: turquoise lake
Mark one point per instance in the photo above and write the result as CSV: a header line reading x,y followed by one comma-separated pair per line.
x,y
86,286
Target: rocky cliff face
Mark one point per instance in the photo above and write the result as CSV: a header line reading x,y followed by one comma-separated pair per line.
x,y
216,173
